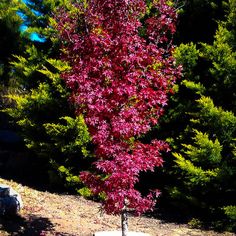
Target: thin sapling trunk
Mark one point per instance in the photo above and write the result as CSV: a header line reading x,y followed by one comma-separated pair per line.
x,y
124,223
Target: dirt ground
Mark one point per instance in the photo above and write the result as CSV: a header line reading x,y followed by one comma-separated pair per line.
x,y
47,214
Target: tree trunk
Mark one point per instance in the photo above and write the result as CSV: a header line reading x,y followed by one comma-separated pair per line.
x,y
124,223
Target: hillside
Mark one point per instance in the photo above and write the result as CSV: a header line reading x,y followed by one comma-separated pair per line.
x,y
47,214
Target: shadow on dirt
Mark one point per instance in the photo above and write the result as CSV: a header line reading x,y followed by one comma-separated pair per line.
x,y
33,226
20,226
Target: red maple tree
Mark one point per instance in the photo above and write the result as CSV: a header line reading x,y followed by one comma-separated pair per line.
x,y
122,72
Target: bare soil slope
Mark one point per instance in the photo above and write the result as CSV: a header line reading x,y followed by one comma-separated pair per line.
x,y
47,214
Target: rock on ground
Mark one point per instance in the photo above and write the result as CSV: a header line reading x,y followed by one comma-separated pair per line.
x,y
10,201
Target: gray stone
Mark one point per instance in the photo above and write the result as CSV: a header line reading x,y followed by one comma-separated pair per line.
x,y
10,201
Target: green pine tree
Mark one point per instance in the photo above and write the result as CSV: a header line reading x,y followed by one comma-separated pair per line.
x,y
11,42
201,127
40,106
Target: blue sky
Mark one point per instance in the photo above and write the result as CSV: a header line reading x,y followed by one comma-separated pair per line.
x,y
23,27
